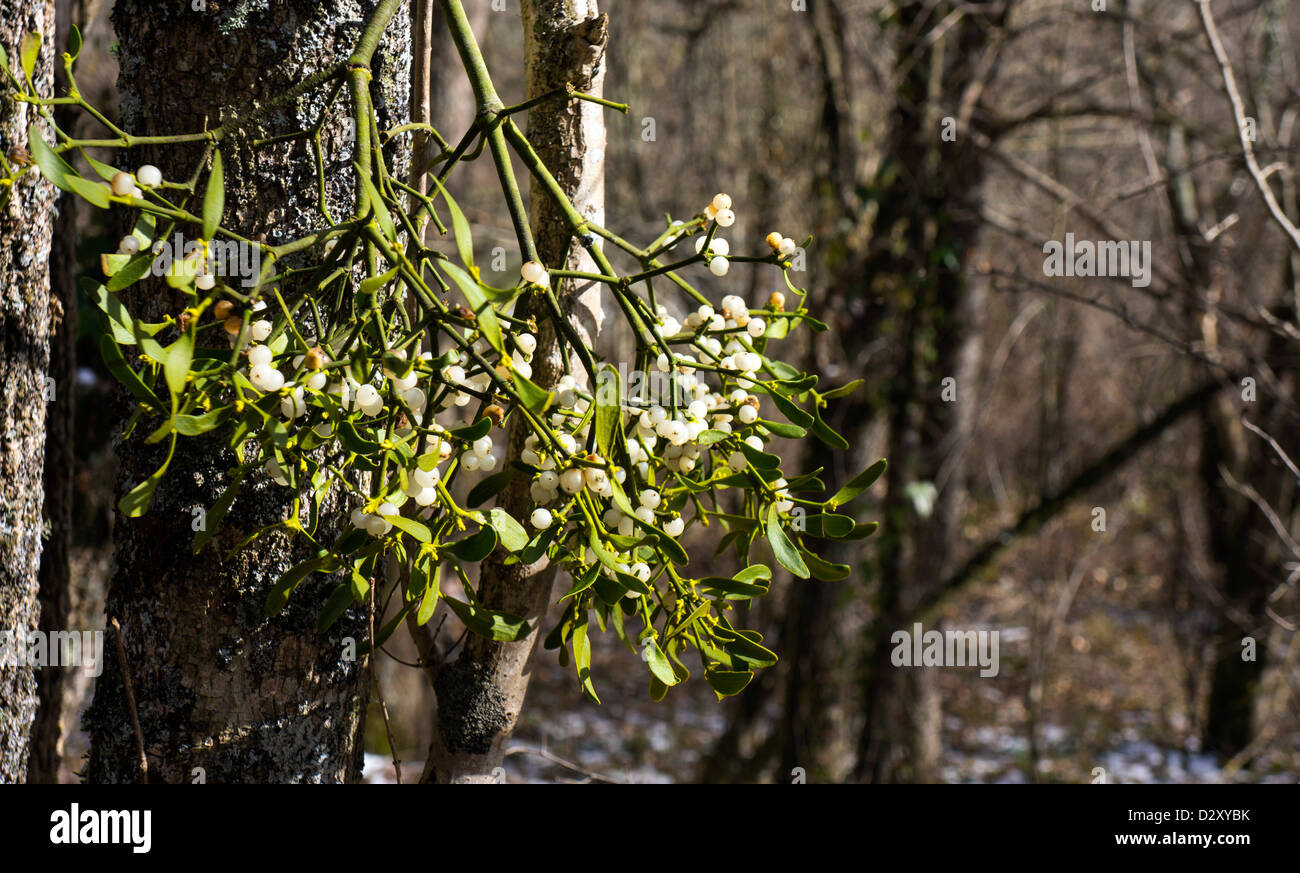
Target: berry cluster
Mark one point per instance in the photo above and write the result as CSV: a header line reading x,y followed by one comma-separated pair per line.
x,y
351,366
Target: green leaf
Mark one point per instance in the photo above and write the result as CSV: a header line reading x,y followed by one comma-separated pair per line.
x,y
459,226
193,425
709,437
727,682
429,600
214,198
760,460
92,192
782,370
337,604
535,398
476,546
119,321
132,271
583,581
488,488
582,658
862,531
827,434
843,390
279,595
52,166
667,544
410,526
828,524
471,432
784,550
123,373
746,649
510,531
609,409
28,52
793,413
658,662
500,626
136,502
374,283
74,42
353,441
105,171
733,589
478,303
176,364
823,569
781,429
218,512
858,484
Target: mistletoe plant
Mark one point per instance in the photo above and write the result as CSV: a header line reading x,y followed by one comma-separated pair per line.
x,y
328,369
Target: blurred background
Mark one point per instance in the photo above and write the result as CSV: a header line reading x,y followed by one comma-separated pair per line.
x,y
1106,481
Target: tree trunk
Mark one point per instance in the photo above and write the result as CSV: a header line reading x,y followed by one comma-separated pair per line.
x,y
481,693
931,206
60,461
225,694
26,323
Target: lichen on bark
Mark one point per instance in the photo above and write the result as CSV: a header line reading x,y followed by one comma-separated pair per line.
x,y
26,224
225,693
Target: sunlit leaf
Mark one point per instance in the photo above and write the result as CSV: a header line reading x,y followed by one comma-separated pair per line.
x,y
214,198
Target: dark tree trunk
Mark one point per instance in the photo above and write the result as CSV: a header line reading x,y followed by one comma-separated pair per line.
x,y
218,685
26,324
931,208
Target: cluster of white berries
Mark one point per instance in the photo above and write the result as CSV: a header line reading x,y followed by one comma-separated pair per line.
x,y
375,523
663,439
126,185
782,245
720,211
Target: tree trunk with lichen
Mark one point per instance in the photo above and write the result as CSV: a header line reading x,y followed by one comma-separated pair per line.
x,y
26,324
223,693
60,461
481,693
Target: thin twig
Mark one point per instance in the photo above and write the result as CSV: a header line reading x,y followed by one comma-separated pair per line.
x,y
130,700
1239,115
547,754
1277,448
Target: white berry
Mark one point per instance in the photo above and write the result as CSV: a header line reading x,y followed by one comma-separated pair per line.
x,y
534,273
149,176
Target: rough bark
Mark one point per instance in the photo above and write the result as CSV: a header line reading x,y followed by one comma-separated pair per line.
x,y
47,730
218,685
481,693
26,323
